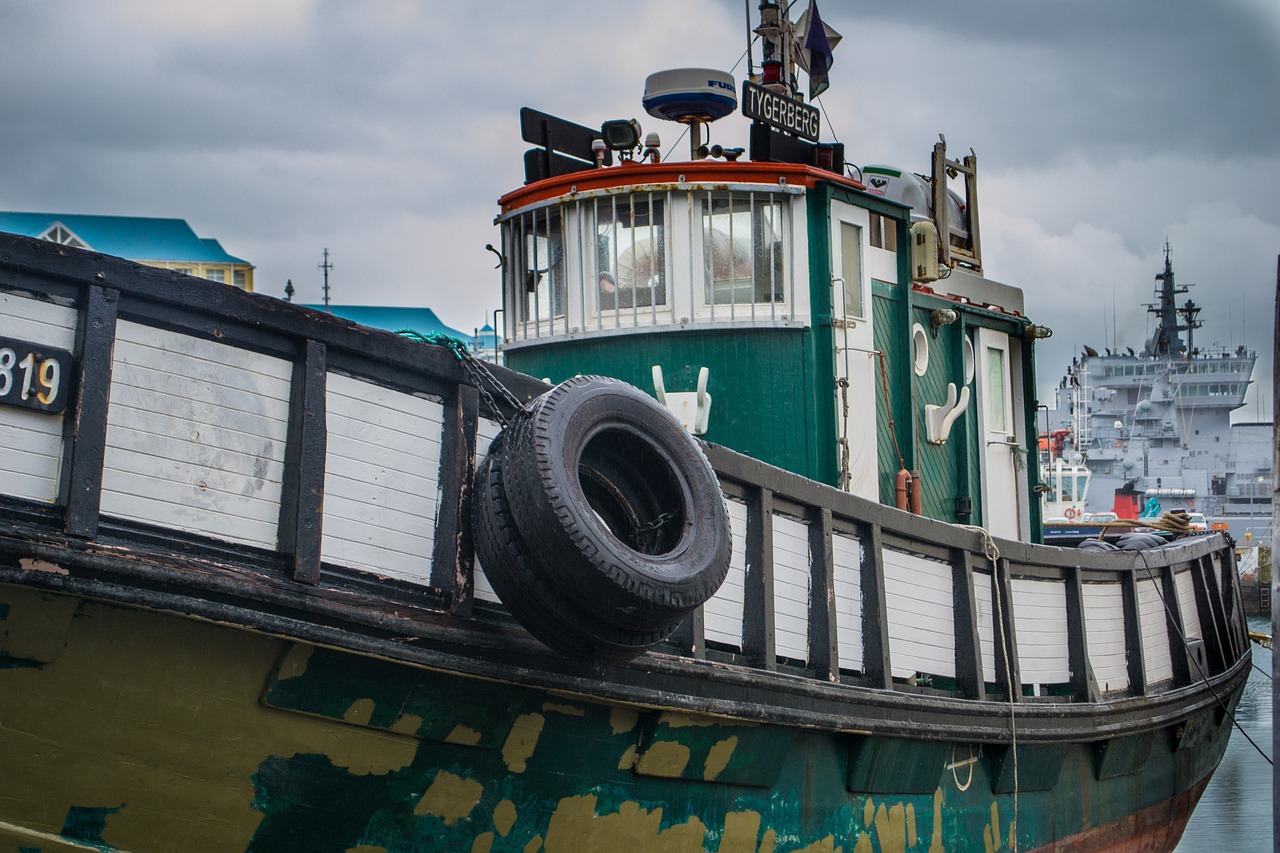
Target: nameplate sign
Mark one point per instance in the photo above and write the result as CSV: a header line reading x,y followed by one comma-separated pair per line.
x,y
779,111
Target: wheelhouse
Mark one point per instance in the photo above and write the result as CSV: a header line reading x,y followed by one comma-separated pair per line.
x,y
795,314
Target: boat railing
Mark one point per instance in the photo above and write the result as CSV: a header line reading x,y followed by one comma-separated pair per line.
x,y
230,445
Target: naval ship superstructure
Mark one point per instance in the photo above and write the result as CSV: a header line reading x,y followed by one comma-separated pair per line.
x,y
1157,423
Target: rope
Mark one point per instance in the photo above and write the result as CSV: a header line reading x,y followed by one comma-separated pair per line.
x,y
1186,646
888,408
992,553
846,476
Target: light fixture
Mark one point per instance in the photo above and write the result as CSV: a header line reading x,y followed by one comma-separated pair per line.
x,y
1037,333
620,134
939,317
598,148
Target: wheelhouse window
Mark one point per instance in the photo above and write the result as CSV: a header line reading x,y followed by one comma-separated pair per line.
x,y
651,256
536,250
742,248
631,253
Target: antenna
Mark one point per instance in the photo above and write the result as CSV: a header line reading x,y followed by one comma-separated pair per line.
x,y
326,266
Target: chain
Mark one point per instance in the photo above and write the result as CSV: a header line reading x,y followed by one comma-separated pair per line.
x,y
481,376
646,535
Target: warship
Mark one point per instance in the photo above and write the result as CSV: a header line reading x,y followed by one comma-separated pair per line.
x,y
1154,426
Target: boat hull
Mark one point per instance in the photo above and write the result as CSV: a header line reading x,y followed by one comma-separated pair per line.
x,y
129,728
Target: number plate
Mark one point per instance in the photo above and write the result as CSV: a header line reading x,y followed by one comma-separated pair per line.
x,y
34,376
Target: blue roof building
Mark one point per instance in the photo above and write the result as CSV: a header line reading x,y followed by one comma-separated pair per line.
x,y
395,319
165,243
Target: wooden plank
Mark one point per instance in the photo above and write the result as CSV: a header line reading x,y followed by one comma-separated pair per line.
x,y
920,611
196,435
877,665
791,576
1008,676
723,614
969,675
1083,688
85,428
1168,586
1216,648
824,647
1105,634
846,554
380,516
1040,612
758,638
302,492
451,556
1134,654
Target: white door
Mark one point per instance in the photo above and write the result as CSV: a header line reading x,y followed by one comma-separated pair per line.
x,y
1002,455
855,363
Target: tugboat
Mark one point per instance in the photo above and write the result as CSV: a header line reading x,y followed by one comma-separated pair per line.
x,y
760,573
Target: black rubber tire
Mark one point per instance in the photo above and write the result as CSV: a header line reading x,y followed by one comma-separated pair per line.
x,y
530,597
592,467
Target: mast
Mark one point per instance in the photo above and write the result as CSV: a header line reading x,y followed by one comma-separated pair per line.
x,y
1166,340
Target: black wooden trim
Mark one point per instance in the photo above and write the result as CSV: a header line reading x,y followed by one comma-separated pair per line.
x,y
452,555
1173,621
1083,685
1133,635
824,654
1222,624
690,636
1215,650
875,626
85,424
302,492
758,638
969,677
1008,671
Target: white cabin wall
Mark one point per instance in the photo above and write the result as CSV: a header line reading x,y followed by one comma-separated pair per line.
x,y
1185,583
196,435
31,442
382,470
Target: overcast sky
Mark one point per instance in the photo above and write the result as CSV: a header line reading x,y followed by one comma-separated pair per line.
x,y
385,130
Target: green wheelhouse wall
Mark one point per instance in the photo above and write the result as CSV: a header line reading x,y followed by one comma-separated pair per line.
x,y
761,382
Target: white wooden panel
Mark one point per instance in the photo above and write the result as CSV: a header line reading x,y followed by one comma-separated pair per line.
x,y
486,430
1104,632
1185,582
38,321
31,442
846,552
921,609
382,474
986,624
1155,631
1040,619
196,435
791,576
723,612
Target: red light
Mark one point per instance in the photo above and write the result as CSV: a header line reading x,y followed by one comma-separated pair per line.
x,y
772,72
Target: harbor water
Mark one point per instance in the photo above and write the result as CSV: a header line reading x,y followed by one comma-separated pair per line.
x,y
1235,812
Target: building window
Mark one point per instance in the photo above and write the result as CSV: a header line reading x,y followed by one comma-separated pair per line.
x,y
184,270
218,275
238,278
62,235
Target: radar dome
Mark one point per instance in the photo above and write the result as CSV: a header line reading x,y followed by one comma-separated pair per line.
x,y
690,94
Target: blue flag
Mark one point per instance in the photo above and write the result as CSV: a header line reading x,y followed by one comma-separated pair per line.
x,y
815,41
